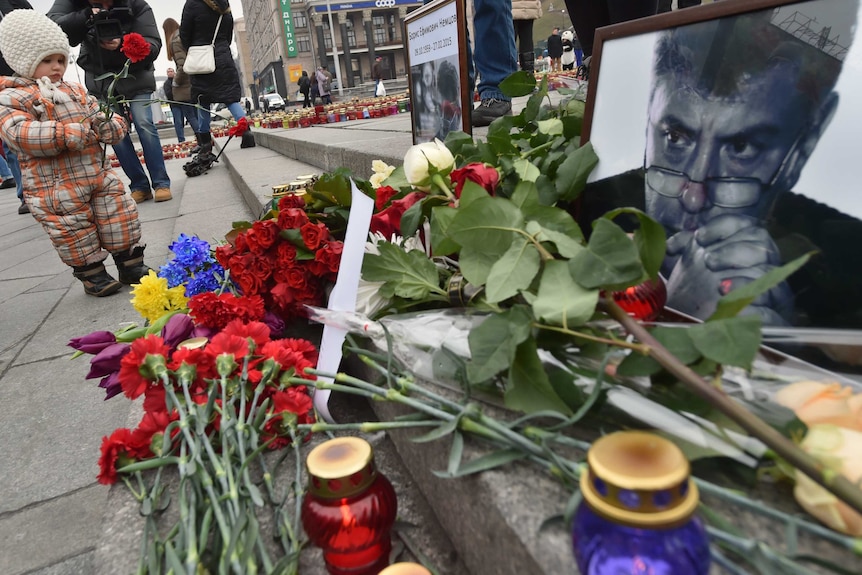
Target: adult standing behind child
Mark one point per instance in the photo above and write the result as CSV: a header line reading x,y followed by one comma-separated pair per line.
x,y
100,54
202,21
555,49
181,87
57,129
6,6
524,13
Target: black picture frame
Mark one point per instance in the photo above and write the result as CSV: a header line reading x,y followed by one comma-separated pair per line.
x,y
435,36
819,211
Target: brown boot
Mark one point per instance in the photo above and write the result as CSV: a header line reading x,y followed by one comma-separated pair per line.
x,y
163,194
97,281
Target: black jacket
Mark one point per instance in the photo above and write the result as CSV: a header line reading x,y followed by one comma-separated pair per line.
x,y
555,46
198,25
75,18
7,6
304,84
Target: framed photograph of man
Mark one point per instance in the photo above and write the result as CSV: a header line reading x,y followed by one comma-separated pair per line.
x,y
437,65
735,125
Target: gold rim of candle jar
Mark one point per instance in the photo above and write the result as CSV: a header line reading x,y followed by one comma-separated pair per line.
x,y
645,464
405,569
340,467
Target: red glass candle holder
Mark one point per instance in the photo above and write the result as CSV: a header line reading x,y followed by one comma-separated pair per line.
x,y
644,301
350,507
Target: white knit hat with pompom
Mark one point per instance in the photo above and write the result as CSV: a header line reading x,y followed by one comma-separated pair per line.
x,y
26,37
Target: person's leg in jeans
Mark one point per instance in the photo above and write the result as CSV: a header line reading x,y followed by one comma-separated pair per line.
x,y
139,183
179,121
191,114
494,57
142,116
5,174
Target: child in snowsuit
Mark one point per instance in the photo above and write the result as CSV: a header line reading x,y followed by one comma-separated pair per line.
x,y
56,128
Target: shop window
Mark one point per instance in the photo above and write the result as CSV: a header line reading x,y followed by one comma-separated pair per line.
x,y
303,43
300,20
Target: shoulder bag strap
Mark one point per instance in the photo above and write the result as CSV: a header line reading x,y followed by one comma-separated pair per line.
x,y
216,30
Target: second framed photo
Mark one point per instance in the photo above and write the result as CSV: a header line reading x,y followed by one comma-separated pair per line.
x,y
437,64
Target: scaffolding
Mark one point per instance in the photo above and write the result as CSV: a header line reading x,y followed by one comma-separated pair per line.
x,y
809,31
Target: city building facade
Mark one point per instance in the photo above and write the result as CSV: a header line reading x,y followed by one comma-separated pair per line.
x,y
283,37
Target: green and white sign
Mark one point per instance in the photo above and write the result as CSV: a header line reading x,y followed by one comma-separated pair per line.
x,y
287,19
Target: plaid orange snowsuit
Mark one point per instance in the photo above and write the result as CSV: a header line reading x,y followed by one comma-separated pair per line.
x,y
70,189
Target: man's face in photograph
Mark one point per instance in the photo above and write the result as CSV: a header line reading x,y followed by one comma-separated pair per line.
x,y
708,155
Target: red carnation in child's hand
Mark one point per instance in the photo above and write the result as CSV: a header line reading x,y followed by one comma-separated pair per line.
x,y
240,128
483,174
135,48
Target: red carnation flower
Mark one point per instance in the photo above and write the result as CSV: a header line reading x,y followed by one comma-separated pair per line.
x,y
483,174
119,450
134,375
257,331
135,48
240,128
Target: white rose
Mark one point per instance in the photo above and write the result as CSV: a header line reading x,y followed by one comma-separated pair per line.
x,y
382,170
421,158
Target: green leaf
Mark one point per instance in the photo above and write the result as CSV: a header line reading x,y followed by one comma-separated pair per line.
x,y
573,172
397,179
525,196
494,341
556,226
528,388
735,301
551,127
730,341
335,187
441,217
485,463
611,259
649,239
440,431
675,339
476,264
456,452
533,107
411,219
518,84
560,299
487,223
513,272
410,275
470,193
525,170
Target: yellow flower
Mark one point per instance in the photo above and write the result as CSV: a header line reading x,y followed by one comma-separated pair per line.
x,y
152,298
816,403
838,449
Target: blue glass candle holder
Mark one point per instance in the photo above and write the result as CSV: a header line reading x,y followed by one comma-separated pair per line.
x,y
637,516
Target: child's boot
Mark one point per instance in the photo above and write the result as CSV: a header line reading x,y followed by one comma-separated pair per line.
x,y
97,281
130,265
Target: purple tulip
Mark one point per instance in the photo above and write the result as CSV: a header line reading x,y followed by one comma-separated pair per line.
x,y
107,361
204,331
274,323
178,329
93,343
111,385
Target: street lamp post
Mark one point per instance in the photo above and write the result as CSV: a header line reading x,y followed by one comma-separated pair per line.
x,y
334,51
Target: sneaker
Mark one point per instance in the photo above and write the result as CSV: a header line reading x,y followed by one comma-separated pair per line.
x,y
163,194
23,208
489,110
8,183
142,196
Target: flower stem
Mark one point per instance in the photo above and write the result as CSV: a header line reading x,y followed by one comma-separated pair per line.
x,y
637,347
438,181
835,483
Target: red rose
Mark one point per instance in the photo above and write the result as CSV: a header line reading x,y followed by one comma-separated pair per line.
x,y
330,256
388,222
296,278
135,48
291,201
483,174
313,235
285,255
292,218
262,235
384,194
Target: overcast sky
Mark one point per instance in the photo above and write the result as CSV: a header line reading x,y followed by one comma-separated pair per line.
x,y
162,9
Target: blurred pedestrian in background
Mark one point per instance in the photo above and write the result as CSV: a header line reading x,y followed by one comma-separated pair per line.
x,y
524,13
180,85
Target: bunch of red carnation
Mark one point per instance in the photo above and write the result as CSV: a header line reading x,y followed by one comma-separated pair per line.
x,y
288,260
242,355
